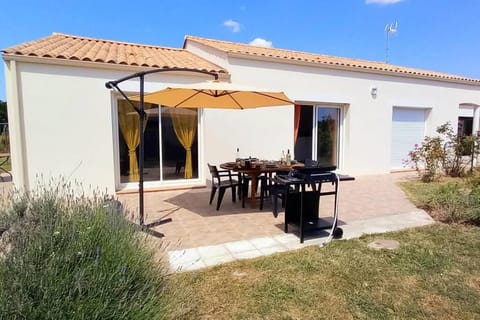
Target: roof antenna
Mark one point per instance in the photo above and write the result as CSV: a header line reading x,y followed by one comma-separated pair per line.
x,y
389,29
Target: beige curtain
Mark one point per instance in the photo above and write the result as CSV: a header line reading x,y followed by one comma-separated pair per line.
x,y
185,127
128,122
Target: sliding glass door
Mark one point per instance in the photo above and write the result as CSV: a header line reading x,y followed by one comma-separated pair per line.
x,y
326,139
317,134
171,144
179,143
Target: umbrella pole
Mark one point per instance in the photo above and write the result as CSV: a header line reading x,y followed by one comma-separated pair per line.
x,y
141,151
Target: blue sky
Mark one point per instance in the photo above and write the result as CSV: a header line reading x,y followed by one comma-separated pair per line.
x,y
437,35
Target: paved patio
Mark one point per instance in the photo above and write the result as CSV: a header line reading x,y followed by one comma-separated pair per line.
x,y
200,236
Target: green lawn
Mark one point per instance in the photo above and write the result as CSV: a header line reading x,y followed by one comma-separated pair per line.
x,y
7,166
434,275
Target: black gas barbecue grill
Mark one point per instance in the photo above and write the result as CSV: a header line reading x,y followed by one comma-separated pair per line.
x,y
302,191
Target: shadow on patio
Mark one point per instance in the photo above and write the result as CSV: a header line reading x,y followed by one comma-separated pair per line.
x,y
196,223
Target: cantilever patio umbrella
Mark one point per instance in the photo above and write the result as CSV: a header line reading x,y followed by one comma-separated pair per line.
x,y
208,94
215,95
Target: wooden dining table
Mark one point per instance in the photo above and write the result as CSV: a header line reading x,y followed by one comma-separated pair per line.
x,y
256,169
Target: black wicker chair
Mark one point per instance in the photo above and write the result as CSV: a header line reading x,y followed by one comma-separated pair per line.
x,y
222,180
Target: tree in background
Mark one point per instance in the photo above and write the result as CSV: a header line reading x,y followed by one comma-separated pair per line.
x,y
4,138
3,112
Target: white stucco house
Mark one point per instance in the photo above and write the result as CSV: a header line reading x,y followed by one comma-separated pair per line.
x,y
361,116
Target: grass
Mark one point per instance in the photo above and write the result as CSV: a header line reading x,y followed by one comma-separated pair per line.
x,y
434,275
7,165
451,200
5,148
418,191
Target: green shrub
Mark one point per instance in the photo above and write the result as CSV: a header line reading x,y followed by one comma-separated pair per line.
x,y
449,201
473,213
427,158
455,201
454,163
444,153
4,142
68,257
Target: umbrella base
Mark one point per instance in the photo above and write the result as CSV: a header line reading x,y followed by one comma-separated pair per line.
x,y
147,228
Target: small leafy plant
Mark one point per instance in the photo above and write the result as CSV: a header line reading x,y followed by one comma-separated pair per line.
x,y
444,153
427,158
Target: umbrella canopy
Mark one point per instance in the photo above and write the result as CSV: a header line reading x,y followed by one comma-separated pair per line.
x,y
217,95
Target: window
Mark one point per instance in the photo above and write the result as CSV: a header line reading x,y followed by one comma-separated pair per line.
x,y
465,126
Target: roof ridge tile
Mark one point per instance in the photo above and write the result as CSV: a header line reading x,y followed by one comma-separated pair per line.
x,y
117,42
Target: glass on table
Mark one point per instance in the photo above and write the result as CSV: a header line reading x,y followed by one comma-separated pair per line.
x,y
263,163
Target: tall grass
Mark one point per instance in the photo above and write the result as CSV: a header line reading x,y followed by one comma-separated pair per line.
x,y
69,257
453,201
4,142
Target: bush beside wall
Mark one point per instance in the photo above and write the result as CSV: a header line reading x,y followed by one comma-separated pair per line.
x,y
68,257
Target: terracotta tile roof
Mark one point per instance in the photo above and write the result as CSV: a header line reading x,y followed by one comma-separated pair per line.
x,y
68,47
331,61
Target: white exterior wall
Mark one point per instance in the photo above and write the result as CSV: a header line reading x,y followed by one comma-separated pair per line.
x,y
367,124
62,122
62,117
261,133
368,121
67,123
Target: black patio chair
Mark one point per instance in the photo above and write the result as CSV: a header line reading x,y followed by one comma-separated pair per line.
x,y
274,191
222,180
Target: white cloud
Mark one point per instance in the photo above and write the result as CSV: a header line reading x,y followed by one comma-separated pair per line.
x,y
382,2
232,24
261,43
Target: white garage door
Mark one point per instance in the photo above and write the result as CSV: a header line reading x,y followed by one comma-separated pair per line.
x,y
408,129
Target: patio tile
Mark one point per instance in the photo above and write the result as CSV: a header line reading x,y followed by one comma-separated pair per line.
x,y
239,246
207,252
272,250
294,245
285,238
199,264
184,256
213,261
247,254
265,242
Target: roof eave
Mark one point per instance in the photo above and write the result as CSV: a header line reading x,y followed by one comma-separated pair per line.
x,y
372,70
93,64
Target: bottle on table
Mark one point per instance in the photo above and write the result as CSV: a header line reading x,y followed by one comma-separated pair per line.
x,y
288,159
282,159
237,156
